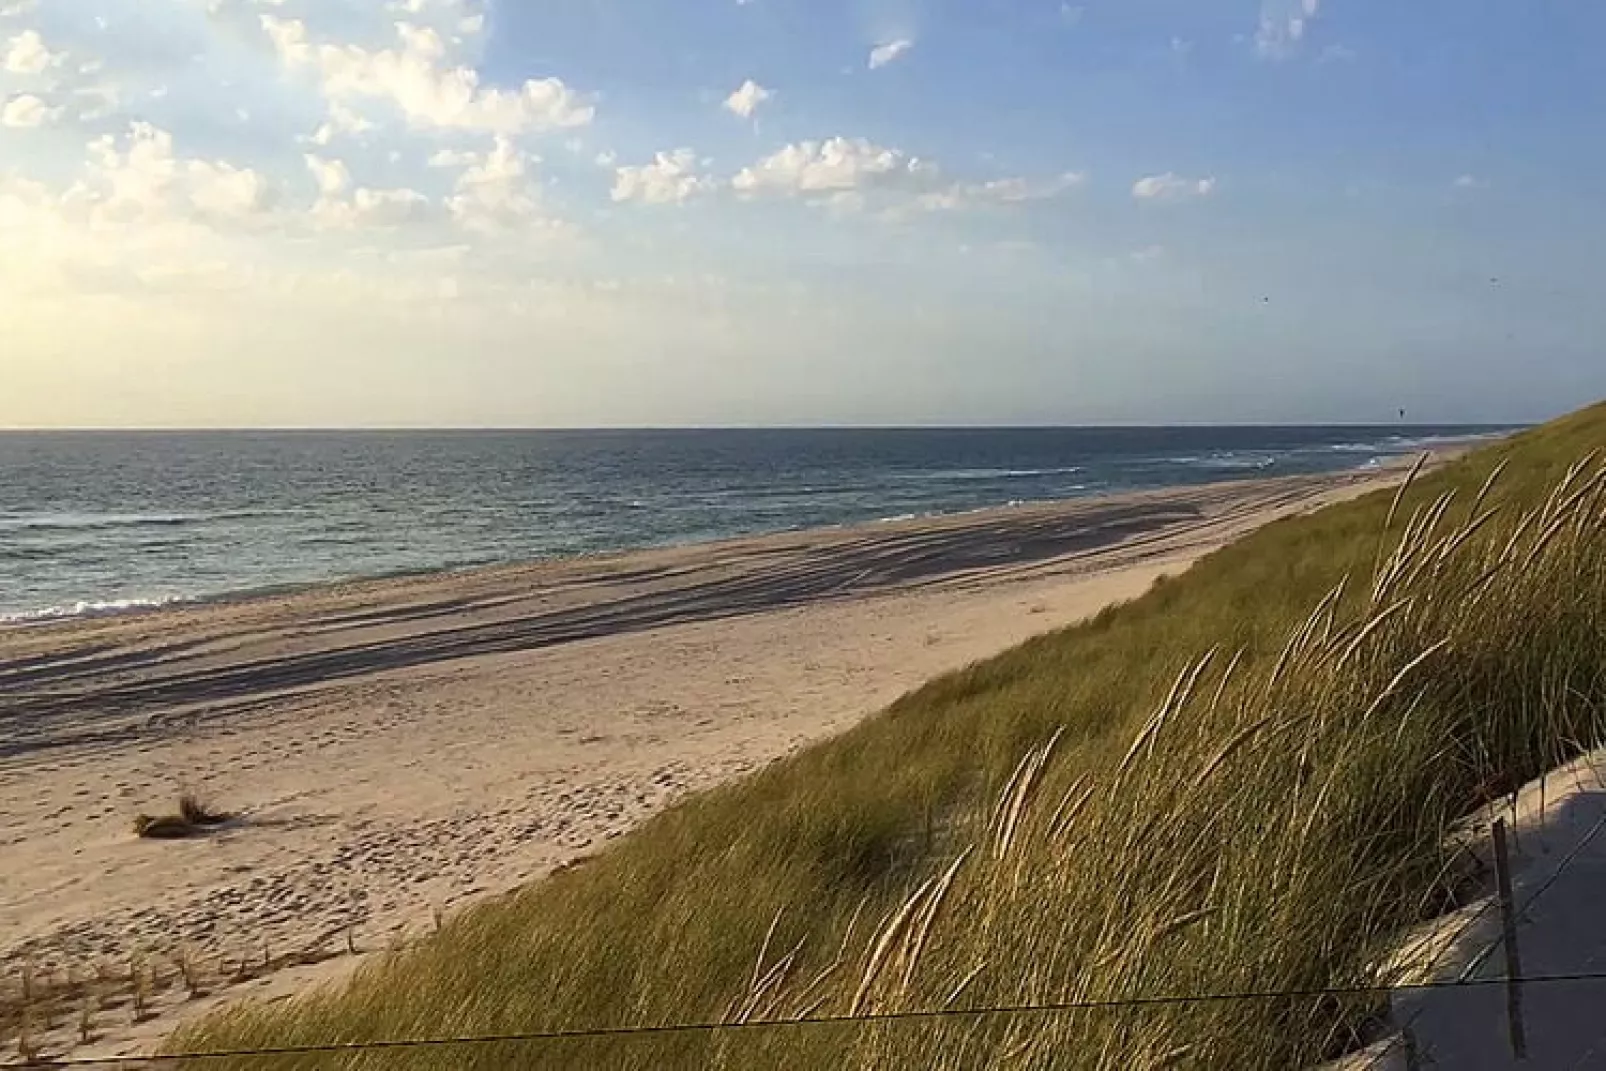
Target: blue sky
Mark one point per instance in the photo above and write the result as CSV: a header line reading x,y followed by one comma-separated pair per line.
x,y
627,212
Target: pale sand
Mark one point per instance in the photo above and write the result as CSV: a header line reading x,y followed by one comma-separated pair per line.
x,y
1557,847
402,747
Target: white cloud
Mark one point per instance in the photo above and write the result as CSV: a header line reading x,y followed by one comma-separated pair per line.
x,y
18,7
463,16
342,120
836,164
417,79
332,176
1470,182
1005,191
495,192
220,190
1172,187
387,208
27,110
883,54
746,99
138,178
1283,26
670,179
365,207
371,208
452,158
27,53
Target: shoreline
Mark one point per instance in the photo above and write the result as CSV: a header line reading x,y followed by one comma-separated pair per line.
x,y
400,747
733,577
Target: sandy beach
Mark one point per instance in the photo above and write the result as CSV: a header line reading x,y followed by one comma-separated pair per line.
x,y
397,749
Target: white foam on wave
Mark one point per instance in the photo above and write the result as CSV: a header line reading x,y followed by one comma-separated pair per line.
x,y
91,608
993,474
68,522
1235,463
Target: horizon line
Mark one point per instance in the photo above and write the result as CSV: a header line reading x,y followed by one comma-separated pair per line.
x,y
380,429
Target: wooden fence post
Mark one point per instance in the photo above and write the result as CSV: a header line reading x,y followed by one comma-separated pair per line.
x,y
1508,923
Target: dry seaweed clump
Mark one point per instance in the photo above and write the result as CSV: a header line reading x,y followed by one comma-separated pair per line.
x,y
195,818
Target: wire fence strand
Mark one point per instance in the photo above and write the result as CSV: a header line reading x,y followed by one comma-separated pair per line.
x,y
628,1032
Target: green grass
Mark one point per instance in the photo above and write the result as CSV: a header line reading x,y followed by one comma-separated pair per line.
x,y
1030,830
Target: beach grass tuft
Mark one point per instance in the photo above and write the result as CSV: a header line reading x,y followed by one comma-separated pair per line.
x,y
1246,781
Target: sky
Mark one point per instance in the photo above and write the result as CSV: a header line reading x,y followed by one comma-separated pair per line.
x,y
540,213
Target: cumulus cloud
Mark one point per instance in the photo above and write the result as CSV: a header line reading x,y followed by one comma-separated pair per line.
x,y
1470,182
671,178
835,165
387,208
138,177
137,174
495,192
746,99
221,190
1283,26
371,208
883,54
366,206
27,54
26,110
1172,187
417,78
332,176
342,121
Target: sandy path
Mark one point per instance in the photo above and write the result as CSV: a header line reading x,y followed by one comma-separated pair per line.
x,y
1558,879
402,747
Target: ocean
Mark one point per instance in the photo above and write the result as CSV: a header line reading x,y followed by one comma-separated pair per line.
x,y
115,522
